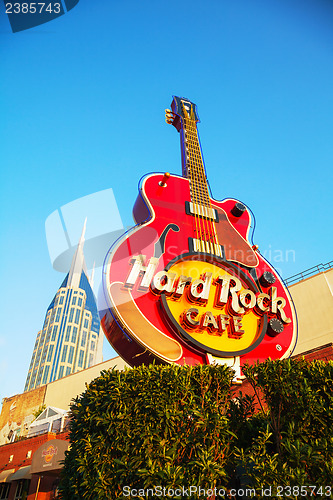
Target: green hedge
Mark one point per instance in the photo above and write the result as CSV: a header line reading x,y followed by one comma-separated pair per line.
x,y
174,427
296,448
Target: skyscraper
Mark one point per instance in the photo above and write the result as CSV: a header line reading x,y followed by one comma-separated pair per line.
x,y
71,338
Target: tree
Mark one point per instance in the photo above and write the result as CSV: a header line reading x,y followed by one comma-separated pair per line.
x,y
163,426
173,427
296,447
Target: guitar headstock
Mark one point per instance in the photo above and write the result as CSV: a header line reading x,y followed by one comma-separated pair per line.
x,y
181,109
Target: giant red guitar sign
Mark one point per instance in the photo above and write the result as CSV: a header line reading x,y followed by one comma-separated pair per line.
x,y
185,285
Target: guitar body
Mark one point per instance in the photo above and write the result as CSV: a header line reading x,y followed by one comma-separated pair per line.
x,y
132,321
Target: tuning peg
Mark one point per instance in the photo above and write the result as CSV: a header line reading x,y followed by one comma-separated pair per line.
x,y
169,116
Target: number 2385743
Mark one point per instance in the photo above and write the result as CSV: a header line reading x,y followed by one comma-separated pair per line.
x,y
32,8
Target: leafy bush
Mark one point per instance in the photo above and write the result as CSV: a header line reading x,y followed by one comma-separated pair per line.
x,y
149,426
296,448
173,427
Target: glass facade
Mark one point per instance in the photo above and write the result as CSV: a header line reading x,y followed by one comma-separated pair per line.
x,y
71,338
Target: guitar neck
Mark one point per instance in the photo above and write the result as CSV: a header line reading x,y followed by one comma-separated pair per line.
x,y
184,118
192,162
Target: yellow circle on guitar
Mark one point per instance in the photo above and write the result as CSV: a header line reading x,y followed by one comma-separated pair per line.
x,y
212,308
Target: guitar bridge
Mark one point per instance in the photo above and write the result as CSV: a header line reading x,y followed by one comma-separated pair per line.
x,y
197,246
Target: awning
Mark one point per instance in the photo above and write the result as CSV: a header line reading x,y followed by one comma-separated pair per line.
x,y
48,457
21,473
5,474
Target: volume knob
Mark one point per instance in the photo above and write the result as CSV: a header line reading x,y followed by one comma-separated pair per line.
x,y
238,209
275,326
267,278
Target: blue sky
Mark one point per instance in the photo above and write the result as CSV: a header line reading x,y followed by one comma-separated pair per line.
x,y
82,110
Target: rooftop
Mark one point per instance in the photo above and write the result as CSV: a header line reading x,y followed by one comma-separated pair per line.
x,y
308,272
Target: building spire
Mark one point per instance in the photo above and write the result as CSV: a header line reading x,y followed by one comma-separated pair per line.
x,y
78,263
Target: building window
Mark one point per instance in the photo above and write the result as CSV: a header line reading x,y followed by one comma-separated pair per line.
x,y
58,315
77,316
84,338
52,315
71,313
48,335
61,300
4,490
39,376
80,362
68,332
32,360
64,353
22,489
61,371
68,372
91,359
44,354
54,333
92,345
74,334
71,354
46,373
37,358
79,302
74,301
86,323
49,357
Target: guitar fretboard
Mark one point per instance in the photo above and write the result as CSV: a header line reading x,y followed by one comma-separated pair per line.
x,y
193,167
194,170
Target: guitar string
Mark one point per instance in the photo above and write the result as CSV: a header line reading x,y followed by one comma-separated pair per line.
x,y
190,172
196,192
196,200
200,187
195,183
205,201
209,223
